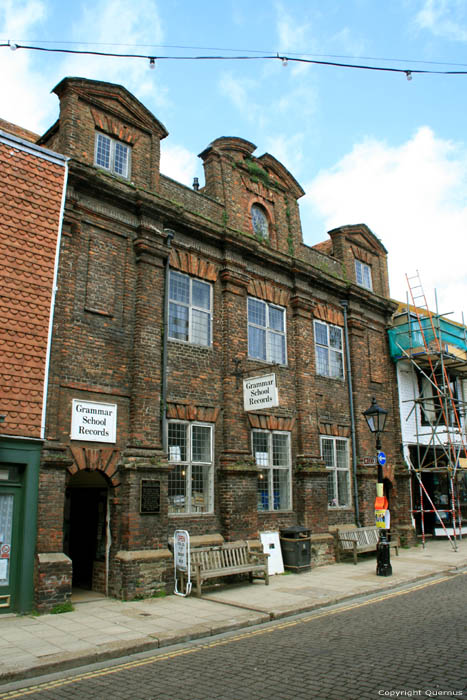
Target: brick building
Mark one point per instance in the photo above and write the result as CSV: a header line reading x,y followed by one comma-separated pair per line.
x,y
32,188
180,314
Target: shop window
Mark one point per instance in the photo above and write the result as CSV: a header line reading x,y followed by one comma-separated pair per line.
x,y
112,155
190,303
190,488
271,450
363,274
335,452
266,332
329,350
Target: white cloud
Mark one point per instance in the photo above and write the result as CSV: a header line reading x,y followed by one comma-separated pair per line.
x,y
24,87
413,198
136,26
288,150
28,76
240,91
179,163
444,18
292,31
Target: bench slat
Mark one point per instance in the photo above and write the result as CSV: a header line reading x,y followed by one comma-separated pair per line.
x,y
225,560
363,539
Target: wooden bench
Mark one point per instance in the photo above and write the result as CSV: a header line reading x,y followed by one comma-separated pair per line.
x,y
225,560
355,540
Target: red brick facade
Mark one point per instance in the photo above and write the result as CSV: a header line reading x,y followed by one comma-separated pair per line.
x,y
109,348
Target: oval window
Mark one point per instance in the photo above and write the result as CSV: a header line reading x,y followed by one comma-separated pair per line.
x,y
260,221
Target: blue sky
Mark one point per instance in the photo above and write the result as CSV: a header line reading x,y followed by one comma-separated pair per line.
x,y
366,146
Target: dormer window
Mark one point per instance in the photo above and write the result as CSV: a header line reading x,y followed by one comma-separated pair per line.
x,y
112,155
259,221
363,274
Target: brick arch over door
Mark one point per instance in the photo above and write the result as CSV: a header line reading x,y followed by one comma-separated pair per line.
x,y
101,459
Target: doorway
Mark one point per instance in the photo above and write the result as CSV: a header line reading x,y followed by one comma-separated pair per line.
x,y
85,529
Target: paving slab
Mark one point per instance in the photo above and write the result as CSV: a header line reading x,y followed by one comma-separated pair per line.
x,y
102,628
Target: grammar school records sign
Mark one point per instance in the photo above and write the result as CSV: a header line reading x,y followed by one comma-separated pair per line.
x,y
260,392
93,421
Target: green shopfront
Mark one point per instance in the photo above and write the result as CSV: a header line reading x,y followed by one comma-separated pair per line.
x,y
19,476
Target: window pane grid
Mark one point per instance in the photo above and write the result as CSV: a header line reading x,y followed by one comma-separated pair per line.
x,y
201,295
103,151
329,350
177,442
179,288
177,490
271,451
257,312
200,328
363,274
335,454
189,321
112,155
121,159
266,332
190,481
263,490
201,443
280,450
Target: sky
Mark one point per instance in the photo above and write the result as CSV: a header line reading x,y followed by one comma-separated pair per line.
x,y
367,146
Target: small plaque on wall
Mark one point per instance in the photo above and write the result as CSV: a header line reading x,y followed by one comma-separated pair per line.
x,y
150,501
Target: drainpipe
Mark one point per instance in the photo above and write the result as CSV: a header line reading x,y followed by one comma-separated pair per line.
x,y
170,235
344,304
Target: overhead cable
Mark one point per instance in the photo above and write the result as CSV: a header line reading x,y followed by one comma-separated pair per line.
x,y
408,72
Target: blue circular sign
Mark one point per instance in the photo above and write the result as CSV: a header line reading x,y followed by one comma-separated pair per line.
x,y
381,458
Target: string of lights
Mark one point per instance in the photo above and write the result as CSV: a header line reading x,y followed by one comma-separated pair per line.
x,y
284,59
186,47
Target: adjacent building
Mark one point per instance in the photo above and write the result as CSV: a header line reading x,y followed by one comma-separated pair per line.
x,y
32,189
208,369
430,352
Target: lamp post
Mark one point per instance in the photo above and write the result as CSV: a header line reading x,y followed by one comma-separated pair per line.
x,y
376,419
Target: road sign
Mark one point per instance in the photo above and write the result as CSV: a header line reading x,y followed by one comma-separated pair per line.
x,y
381,458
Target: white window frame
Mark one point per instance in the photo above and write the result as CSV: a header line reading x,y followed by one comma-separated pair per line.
x,y
111,166
330,349
191,309
268,331
189,506
363,274
334,491
265,461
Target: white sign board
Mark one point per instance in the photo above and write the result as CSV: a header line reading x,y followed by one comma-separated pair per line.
x,y
271,546
182,561
96,422
260,392
181,549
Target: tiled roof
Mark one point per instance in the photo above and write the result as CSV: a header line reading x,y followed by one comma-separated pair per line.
x,y
18,131
31,189
324,247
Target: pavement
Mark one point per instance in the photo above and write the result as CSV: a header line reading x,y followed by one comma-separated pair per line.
x,y
100,628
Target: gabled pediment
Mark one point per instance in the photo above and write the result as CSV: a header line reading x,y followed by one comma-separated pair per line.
x,y
281,174
114,100
361,236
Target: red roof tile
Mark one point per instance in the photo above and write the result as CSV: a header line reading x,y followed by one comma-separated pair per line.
x,y
30,200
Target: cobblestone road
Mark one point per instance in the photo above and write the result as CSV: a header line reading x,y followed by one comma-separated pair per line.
x,y
406,644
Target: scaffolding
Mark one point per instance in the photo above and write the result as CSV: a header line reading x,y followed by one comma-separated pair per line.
x,y
437,460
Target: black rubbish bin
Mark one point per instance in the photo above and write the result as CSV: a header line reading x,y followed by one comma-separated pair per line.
x,y
296,548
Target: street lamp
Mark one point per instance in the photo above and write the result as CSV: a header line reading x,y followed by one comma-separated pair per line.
x,y
375,417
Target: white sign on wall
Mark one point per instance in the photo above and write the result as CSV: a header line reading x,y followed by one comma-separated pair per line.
x,y
260,392
93,421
